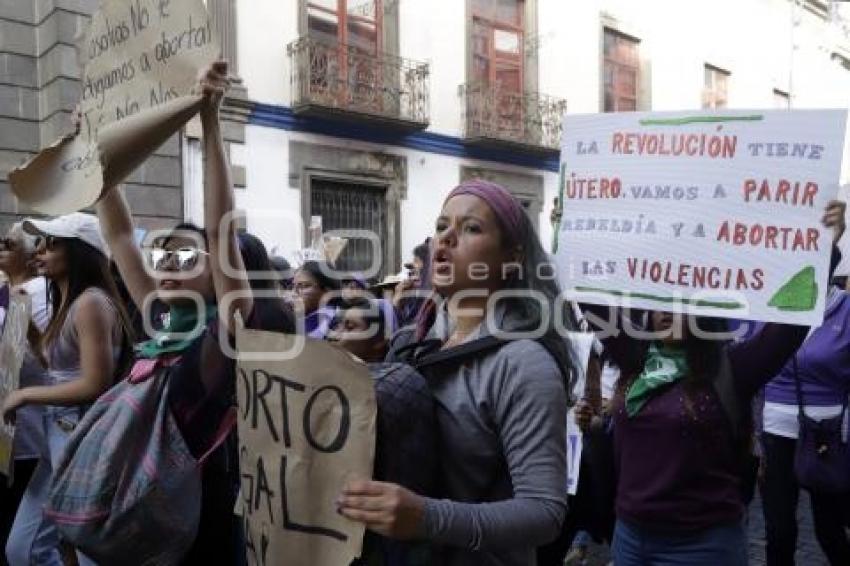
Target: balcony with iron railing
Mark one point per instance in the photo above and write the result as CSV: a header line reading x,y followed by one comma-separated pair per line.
x,y
343,81
527,120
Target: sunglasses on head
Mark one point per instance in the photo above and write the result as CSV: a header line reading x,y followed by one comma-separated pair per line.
x,y
183,259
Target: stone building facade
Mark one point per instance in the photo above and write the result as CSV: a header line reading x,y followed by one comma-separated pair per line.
x,y
39,88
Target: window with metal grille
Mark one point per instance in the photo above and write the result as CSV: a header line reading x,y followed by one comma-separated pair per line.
x,y
620,62
351,206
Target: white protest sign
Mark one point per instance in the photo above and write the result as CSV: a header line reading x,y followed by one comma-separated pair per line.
x,y
581,344
306,427
13,348
715,213
141,62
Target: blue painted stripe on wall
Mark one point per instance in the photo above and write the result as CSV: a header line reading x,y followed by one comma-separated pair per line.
x,y
282,117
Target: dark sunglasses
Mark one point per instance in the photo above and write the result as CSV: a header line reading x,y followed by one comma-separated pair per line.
x,y
183,259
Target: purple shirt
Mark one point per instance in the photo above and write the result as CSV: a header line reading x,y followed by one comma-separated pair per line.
x,y
677,465
317,324
823,362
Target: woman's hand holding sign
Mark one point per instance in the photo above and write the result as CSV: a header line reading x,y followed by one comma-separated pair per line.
x,y
385,508
213,84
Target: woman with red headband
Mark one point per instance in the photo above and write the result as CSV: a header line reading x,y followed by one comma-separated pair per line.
x,y
502,413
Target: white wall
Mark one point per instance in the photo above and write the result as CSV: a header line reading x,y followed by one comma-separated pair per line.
x,y
264,29
274,209
750,38
434,31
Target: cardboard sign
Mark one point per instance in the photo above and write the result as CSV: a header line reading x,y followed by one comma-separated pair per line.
x,y
306,427
13,348
714,213
142,59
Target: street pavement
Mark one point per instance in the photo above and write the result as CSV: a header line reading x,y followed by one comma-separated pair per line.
x,y
808,551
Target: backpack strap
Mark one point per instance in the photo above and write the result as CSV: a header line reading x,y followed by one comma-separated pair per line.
x,y
426,354
411,352
224,428
144,368
458,354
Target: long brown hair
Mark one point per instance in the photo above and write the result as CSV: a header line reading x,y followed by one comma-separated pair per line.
x,y
87,268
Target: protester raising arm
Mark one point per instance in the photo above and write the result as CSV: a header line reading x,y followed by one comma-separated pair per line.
x,y
758,359
225,261
684,396
116,224
755,360
228,270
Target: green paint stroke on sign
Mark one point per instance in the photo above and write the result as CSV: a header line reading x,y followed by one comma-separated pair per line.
x,y
728,305
699,119
800,293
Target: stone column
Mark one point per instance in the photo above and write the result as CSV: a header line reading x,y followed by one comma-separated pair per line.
x,y
236,108
223,13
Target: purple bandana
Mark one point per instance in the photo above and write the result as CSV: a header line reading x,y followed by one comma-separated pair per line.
x,y
506,207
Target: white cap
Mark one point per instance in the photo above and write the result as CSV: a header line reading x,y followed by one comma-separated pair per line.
x,y
392,280
83,227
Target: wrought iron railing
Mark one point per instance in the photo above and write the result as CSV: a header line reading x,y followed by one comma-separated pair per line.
x,y
531,119
342,78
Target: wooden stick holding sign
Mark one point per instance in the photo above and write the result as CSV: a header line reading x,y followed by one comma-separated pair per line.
x,y
141,63
306,426
13,347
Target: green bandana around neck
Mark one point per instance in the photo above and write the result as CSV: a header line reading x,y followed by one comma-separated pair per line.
x,y
664,366
181,319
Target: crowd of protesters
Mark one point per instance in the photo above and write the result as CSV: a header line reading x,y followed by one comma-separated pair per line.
x,y
680,425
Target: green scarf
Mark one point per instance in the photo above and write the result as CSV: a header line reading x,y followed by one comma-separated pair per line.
x,y
664,365
181,320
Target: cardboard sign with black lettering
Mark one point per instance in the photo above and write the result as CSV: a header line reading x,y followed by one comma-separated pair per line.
x,y
307,415
13,348
141,63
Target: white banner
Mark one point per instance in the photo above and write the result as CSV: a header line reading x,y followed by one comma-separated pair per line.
x,y
716,213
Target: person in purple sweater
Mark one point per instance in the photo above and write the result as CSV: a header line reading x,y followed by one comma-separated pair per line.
x,y
823,370
676,452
